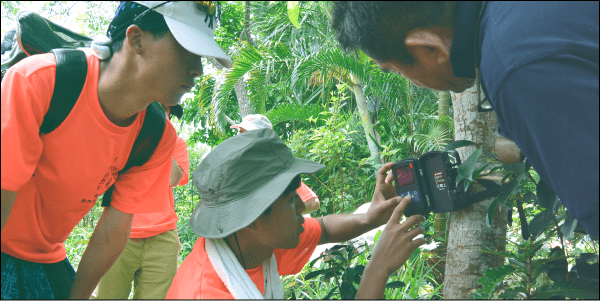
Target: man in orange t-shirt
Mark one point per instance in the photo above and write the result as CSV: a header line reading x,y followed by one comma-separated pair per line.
x,y
50,181
150,256
252,231
257,121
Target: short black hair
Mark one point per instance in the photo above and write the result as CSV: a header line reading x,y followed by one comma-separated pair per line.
x,y
379,28
295,184
126,13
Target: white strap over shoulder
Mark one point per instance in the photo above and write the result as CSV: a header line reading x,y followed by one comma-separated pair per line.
x,y
235,277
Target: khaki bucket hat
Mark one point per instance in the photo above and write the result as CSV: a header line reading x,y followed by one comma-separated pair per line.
x,y
241,178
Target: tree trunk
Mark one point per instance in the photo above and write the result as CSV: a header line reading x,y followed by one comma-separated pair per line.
x,y
440,222
468,233
441,219
242,98
240,89
366,119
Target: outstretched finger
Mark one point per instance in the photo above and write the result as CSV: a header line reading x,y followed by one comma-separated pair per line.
x,y
399,210
384,170
389,179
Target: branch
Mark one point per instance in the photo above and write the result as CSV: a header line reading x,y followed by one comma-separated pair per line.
x,y
229,119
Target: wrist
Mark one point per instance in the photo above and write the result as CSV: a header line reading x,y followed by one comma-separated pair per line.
x,y
366,223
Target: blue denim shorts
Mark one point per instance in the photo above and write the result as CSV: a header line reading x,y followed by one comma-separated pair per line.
x,y
30,280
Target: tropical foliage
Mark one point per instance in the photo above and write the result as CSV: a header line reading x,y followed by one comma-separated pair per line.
x,y
292,71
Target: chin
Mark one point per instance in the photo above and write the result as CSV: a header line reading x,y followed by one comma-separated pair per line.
x,y
464,84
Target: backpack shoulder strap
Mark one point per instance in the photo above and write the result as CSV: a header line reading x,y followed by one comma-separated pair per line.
x,y
145,143
71,72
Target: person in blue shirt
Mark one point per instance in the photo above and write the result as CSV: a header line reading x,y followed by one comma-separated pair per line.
x,y
538,67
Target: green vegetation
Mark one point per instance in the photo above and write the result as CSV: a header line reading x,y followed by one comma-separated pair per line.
x,y
293,72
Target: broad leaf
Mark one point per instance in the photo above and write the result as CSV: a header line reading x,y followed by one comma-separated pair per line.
x,y
347,290
509,189
466,169
314,274
546,197
293,11
458,144
395,284
514,168
568,227
490,214
349,274
540,223
578,288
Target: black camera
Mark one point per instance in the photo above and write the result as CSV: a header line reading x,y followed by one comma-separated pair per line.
x,y
431,182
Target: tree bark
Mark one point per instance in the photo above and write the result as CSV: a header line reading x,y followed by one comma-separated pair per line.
x,y
240,89
441,219
468,232
366,119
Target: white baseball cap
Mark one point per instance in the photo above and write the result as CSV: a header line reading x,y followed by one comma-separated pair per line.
x,y
254,122
193,28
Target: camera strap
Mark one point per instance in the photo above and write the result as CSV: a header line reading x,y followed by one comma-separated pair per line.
x,y
492,189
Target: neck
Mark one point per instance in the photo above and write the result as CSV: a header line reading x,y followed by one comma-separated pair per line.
x,y
119,99
253,255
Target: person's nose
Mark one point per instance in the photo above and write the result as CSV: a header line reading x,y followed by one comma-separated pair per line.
x,y
195,65
300,207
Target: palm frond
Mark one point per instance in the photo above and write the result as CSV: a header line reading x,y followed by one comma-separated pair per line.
x,y
294,112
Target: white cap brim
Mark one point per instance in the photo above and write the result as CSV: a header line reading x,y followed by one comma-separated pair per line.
x,y
197,42
180,16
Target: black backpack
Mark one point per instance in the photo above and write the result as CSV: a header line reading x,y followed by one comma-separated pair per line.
x,y
35,35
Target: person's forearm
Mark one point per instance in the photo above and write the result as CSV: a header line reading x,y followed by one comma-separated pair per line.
x,y
8,200
372,283
103,249
343,227
311,205
176,173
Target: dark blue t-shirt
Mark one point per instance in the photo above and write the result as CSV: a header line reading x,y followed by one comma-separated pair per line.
x,y
539,65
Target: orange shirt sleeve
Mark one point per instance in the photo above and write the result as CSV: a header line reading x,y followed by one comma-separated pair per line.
x,y
141,183
292,261
183,160
305,193
23,110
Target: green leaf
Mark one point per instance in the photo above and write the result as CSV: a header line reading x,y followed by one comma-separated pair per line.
x,y
293,11
568,227
577,288
514,168
492,277
347,290
466,169
529,197
540,223
547,198
314,274
330,293
458,144
509,189
376,237
349,274
395,284
490,214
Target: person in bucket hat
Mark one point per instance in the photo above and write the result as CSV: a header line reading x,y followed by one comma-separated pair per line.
x,y
257,121
153,54
250,226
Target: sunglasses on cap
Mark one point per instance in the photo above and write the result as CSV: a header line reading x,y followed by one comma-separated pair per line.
x,y
209,7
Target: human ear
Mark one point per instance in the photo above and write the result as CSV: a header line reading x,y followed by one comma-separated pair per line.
x,y
427,46
133,36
